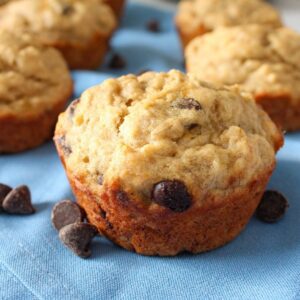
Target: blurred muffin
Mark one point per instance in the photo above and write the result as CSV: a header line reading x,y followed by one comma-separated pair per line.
x,y
163,163
35,85
117,6
197,17
80,30
262,61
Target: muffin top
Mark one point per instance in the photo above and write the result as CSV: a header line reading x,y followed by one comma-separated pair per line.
x,y
55,21
260,59
211,14
32,77
139,131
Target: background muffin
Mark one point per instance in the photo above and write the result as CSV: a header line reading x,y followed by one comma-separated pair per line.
x,y
80,30
35,85
117,6
262,61
163,163
197,17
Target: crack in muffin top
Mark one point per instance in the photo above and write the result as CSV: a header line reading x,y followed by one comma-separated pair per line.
x,y
216,13
138,131
32,76
59,20
259,59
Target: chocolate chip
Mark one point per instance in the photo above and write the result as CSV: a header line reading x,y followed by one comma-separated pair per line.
x,y
65,213
72,107
67,10
117,62
61,141
18,201
172,194
77,237
153,26
4,190
272,207
187,103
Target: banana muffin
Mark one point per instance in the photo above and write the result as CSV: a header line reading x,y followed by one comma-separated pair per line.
x,y
35,85
262,61
197,17
163,163
117,6
80,30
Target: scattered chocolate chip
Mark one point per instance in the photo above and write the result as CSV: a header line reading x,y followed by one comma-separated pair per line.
x,y
122,196
117,62
153,26
272,207
72,107
187,103
143,72
65,213
67,10
4,190
61,141
77,237
18,201
172,194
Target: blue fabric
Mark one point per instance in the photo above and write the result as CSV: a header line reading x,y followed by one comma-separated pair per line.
x,y
262,263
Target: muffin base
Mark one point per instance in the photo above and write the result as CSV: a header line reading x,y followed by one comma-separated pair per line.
x,y
159,231
281,111
23,134
89,55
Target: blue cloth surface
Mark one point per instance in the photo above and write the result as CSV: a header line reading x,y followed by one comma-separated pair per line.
x,y
262,263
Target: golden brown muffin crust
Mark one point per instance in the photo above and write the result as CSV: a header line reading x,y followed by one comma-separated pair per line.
x,y
35,85
196,17
127,135
262,61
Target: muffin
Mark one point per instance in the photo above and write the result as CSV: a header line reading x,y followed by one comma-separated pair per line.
x,y
80,30
35,85
262,61
197,17
117,6
163,163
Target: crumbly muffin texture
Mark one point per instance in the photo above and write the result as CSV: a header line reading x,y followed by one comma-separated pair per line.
x,y
141,130
59,20
262,61
33,78
259,59
211,14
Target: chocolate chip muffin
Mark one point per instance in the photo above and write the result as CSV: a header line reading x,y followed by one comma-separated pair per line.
x,y
197,17
163,163
80,30
117,6
35,85
262,61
